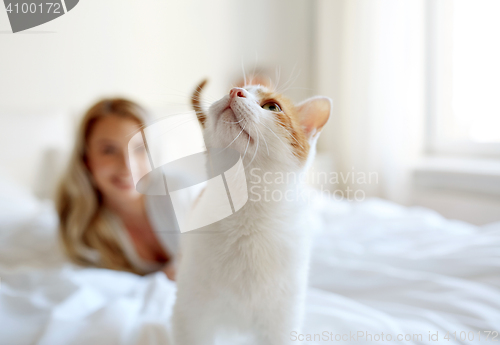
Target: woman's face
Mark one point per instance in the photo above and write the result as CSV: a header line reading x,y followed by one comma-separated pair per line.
x,y
108,158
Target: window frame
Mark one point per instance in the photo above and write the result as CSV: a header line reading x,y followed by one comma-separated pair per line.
x,y
438,87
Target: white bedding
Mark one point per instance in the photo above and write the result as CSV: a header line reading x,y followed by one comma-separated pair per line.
x,y
376,267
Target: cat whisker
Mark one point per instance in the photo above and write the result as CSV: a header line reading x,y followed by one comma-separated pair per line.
x,y
243,158
293,81
275,134
291,135
256,149
233,122
289,82
255,64
173,128
242,129
244,154
141,127
278,76
300,88
264,138
287,147
244,74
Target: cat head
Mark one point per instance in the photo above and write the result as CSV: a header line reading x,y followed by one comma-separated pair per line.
x,y
264,126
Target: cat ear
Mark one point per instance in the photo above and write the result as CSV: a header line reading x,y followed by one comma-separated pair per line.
x,y
313,114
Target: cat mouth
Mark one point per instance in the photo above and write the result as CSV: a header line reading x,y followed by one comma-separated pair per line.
x,y
233,120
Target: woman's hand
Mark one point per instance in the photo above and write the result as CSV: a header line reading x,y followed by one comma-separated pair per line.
x,y
170,270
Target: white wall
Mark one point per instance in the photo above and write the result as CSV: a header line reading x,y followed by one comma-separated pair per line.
x,y
151,51
370,61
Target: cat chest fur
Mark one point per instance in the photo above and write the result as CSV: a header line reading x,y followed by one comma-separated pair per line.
x,y
260,248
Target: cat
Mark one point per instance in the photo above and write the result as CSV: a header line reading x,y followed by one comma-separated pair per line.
x,y
249,272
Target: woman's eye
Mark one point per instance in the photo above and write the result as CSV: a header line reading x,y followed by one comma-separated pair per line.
x,y
272,106
109,150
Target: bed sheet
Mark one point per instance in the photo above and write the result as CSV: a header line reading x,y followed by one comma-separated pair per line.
x,y
377,269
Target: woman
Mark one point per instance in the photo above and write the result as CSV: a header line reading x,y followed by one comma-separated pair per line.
x,y
104,221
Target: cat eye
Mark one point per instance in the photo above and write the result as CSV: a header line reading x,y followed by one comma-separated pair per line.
x,y
272,106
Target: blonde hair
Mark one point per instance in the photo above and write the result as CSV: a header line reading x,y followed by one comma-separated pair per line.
x,y
85,229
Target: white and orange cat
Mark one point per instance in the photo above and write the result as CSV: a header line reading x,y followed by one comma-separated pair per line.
x,y
248,274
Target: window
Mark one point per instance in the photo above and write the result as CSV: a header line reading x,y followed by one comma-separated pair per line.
x,y
463,86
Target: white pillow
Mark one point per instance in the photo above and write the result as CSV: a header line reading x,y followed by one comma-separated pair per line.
x,y
17,203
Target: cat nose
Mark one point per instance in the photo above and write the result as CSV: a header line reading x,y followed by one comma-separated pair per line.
x,y
238,92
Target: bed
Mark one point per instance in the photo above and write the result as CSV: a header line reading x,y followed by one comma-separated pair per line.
x,y
377,270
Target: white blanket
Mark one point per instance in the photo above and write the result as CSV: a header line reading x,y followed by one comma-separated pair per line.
x,y
377,268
